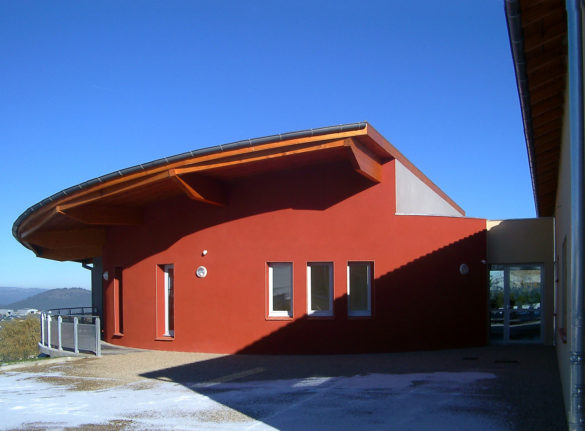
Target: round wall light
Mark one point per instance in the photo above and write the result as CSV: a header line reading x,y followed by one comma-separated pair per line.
x,y
201,272
463,269
106,275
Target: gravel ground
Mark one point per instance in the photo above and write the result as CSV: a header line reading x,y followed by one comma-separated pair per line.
x,y
493,388
112,370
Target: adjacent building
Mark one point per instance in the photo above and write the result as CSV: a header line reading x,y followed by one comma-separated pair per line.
x,y
547,46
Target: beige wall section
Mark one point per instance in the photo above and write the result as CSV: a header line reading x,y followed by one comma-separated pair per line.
x,y
562,229
414,197
527,241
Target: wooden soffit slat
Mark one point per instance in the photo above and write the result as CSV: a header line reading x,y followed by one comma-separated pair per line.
x,y
115,188
547,127
552,104
85,252
539,11
67,238
543,92
536,36
258,156
545,77
103,215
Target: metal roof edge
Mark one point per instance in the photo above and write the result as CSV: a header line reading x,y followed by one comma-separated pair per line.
x,y
194,153
516,37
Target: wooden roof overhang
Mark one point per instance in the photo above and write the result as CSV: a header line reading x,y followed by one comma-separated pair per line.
x,y
538,34
71,224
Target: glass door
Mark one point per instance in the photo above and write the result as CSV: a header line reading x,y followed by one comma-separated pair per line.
x,y
515,303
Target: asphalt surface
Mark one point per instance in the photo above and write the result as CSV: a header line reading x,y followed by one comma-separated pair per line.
x,y
490,388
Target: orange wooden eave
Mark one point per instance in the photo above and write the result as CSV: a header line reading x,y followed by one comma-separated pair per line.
x,y
365,148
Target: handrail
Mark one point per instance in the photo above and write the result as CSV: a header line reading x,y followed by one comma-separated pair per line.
x,y
58,311
76,338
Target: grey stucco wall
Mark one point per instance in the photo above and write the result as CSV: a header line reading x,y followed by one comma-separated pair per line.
x,y
414,197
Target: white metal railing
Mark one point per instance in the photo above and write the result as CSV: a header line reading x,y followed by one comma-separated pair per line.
x,y
69,334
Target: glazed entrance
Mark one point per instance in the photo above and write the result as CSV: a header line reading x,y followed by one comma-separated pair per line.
x,y
515,303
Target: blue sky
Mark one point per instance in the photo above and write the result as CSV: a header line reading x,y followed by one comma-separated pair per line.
x,y
88,87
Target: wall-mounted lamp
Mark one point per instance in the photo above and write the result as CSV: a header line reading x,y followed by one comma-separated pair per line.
x,y
106,275
204,252
463,269
201,272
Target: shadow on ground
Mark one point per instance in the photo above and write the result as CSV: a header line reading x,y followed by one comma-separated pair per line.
x,y
491,388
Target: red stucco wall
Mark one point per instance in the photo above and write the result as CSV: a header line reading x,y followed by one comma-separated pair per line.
x,y
322,213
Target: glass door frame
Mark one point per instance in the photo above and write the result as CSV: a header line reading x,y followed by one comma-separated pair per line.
x,y
507,308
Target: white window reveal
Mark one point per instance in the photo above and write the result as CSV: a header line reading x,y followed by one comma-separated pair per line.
x,y
359,288
280,289
169,297
320,288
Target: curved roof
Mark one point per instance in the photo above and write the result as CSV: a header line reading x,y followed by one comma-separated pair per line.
x,y
70,225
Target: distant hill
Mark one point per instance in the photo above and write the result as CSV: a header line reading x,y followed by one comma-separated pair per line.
x,y
55,298
8,295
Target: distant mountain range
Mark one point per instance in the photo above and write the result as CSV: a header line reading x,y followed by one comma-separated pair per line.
x,y
8,295
43,299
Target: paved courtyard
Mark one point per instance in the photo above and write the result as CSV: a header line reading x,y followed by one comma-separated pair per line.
x,y
492,388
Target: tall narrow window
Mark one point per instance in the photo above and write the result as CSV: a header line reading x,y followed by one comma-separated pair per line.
x,y
118,302
280,289
169,301
320,288
359,288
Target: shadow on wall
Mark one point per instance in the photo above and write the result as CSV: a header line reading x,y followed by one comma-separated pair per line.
x,y
424,305
307,188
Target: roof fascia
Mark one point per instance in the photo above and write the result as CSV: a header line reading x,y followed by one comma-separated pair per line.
x,y
514,23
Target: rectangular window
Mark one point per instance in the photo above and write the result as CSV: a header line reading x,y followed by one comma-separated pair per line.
x,y
118,302
169,296
359,288
280,289
320,288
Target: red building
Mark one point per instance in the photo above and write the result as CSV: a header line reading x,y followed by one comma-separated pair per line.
x,y
325,240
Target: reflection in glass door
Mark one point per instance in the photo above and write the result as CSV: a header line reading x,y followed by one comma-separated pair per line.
x,y
515,303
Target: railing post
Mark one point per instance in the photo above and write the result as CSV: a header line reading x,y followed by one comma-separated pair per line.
x,y
59,324
98,346
42,328
75,336
49,330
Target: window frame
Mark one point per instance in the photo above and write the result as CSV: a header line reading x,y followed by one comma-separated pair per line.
x,y
370,277
320,313
169,321
279,314
118,302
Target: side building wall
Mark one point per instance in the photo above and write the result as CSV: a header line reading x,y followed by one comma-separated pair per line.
x,y
327,213
563,258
